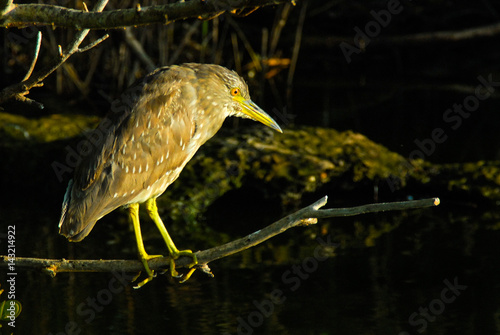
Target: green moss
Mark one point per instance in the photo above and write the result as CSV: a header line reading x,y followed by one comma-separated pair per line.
x,y
304,160
287,166
44,129
477,178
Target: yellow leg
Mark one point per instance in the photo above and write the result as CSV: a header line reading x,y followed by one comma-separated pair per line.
x,y
143,255
172,249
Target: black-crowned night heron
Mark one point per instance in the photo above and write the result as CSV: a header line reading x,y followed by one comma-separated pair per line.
x,y
151,135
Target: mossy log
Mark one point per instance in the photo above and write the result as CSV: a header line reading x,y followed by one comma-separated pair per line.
x,y
295,166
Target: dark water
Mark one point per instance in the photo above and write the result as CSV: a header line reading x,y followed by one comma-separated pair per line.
x,y
432,271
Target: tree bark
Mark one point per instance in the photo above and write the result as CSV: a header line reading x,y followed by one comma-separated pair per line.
x,y
303,217
40,14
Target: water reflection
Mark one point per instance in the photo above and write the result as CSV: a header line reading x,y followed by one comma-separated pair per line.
x,y
432,270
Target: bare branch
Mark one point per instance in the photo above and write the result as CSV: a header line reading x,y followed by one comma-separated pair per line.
x,y
35,56
20,90
137,48
93,44
305,216
444,36
5,6
40,14
414,39
13,15
381,207
295,52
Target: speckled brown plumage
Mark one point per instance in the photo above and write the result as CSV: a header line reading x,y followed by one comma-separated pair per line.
x,y
153,131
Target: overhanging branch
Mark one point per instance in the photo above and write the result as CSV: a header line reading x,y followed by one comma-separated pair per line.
x,y
20,90
22,15
40,14
302,217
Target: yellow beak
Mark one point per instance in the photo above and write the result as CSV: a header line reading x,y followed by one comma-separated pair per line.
x,y
255,112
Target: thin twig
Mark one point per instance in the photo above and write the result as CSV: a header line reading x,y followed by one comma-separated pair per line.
x,y
372,208
280,22
137,48
35,56
19,90
236,52
295,53
5,6
93,44
412,39
23,98
304,216
185,40
246,43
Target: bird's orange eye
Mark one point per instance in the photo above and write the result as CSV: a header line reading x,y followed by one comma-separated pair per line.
x,y
235,91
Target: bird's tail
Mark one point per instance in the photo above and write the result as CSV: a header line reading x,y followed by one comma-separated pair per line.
x,y
73,223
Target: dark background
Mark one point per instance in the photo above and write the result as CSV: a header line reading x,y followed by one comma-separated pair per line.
x,y
396,92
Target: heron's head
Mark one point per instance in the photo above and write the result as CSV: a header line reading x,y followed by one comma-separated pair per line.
x,y
232,92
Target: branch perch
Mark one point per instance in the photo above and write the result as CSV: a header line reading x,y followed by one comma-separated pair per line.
x,y
305,216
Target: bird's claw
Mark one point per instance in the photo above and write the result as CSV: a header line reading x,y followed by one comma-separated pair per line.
x,y
192,268
187,275
151,274
173,272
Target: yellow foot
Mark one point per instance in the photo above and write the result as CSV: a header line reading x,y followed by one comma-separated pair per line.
x,y
187,275
144,259
178,254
